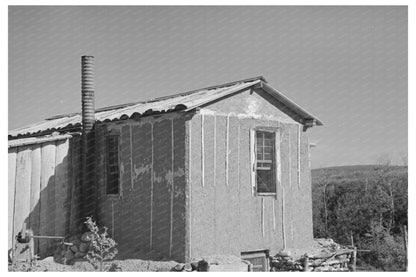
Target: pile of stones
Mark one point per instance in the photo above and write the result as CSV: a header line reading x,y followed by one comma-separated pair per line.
x,y
340,260
283,261
214,263
201,265
328,245
327,256
76,247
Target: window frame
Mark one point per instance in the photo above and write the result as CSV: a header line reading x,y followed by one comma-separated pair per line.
x,y
276,132
107,152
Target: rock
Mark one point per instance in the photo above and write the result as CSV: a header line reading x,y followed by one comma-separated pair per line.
x,y
178,267
203,266
194,265
188,267
114,267
80,255
69,255
284,253
83,247
74,248
58,258
86,237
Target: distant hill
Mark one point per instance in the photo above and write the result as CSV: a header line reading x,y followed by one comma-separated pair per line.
x,y
354,172
368,203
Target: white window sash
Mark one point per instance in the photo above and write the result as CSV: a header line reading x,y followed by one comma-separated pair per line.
x,y
253,157
278,160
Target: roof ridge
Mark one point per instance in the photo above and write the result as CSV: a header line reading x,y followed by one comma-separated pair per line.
x,y
120,106
208,88
185,101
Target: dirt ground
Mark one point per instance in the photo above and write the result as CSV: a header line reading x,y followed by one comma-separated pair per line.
x,y
319,246
48,264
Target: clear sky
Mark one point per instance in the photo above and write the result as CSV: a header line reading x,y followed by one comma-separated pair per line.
x,y
346,65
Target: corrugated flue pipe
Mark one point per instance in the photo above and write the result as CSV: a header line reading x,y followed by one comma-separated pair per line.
x,y
87,86
88,191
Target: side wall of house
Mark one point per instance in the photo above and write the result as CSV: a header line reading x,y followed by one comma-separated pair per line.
x,y
226,218
43,191
147,219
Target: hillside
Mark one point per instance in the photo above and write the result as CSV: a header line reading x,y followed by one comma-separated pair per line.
x,y
366,205
355,172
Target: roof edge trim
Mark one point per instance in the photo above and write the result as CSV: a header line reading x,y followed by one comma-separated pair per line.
x,y
224,95
38,140
290,104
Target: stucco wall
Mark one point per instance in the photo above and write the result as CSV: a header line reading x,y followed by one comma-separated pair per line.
x,y
227,218
209,215
253,103
147,219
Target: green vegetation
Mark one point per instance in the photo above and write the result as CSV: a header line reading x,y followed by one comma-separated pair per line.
x,y
103,248
367,206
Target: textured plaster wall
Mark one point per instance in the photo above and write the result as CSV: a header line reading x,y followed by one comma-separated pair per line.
x,y
253,103
227,218
147,211
209,214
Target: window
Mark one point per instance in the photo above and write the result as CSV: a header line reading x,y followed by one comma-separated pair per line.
x,y
113,173
265,159
265,162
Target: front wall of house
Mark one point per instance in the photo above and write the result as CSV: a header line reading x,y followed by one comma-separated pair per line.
x,y
226,218
147,219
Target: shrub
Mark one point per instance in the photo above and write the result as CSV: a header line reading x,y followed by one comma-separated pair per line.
x,y
103,248
387,251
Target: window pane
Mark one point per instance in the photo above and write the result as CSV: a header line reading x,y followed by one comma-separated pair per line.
x,y
259,142
267,142
265,181
113,173
269,135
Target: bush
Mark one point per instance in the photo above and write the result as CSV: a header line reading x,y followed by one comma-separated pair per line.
x,y
387,251
103,248
368,204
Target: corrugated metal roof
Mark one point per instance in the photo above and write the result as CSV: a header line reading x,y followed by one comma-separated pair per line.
x,y
179,102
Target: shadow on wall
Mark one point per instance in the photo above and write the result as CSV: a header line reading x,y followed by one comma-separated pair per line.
x,y
46,192
47,198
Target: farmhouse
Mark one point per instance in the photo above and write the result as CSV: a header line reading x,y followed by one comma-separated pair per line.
x,y
219,170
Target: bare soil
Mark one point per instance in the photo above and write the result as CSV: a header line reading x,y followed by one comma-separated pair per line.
x,y
48,264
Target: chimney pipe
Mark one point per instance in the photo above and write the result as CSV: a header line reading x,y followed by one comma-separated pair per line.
x,y
87,189
87,88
